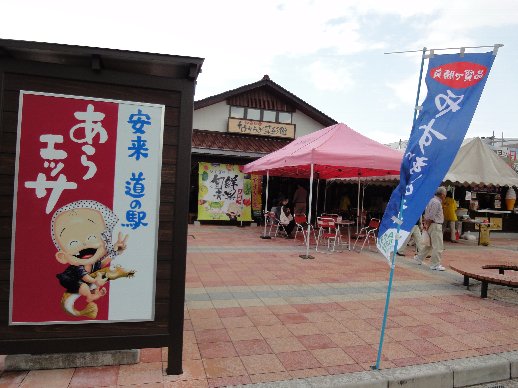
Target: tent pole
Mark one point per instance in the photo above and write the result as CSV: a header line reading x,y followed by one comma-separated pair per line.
x,y
264,236
363,199
316,204
358,208
307,255
325,197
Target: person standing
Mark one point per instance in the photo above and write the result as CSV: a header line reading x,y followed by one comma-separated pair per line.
x,y
415,233
449,208
433,220
345,202
299,200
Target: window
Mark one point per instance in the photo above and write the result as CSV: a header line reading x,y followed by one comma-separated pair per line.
x,y
253,114
285,117
269,115
237,111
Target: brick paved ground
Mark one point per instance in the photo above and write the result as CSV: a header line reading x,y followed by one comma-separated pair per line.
x,y
256,312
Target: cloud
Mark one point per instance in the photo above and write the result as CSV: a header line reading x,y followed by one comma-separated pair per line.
x,y
310,47
326,77
405,90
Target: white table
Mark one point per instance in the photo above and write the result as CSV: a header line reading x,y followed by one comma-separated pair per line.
x,y
491,211
348,224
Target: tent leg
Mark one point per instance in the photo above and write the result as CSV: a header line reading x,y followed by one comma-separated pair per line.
x,y
325,197
361,213
307,255
358,208
316,204
264,236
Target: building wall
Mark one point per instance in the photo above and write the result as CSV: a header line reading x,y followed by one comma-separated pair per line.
x,y
212,118
305,125
215,118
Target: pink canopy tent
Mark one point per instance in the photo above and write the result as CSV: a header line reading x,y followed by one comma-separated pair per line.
x,y
333,152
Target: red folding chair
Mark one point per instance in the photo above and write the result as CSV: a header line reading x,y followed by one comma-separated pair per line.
x,y
327,215
367,233
327,231
301,223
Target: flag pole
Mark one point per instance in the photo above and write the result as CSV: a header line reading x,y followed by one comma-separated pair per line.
x,y
399,222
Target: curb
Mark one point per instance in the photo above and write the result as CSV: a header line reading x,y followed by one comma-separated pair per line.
x,y
18,362
445,374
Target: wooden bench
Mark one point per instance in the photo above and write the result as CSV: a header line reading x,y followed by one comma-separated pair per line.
x,y
483,274
501,267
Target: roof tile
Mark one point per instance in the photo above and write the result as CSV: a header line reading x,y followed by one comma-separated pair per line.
x,y
234,142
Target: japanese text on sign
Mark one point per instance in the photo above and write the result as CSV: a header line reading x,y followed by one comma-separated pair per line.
x,y
261,128
88,130
135,188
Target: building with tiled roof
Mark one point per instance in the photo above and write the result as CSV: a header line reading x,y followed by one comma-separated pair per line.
x,y
246,123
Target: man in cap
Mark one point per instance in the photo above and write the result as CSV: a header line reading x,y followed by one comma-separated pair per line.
x,y
433,220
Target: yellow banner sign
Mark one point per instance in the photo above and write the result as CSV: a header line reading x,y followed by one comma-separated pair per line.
x,y
261,128
224,193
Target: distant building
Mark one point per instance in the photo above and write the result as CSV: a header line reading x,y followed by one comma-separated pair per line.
x,y
398,145
506,148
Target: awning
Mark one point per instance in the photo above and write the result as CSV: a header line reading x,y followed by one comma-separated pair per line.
x,y
229,144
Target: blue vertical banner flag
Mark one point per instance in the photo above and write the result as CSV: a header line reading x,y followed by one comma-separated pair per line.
x,y
455,83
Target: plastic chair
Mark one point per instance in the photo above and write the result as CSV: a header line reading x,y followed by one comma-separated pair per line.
x,y
301,223
327,230
367,233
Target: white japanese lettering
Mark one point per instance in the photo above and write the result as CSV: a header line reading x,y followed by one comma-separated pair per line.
x,y
449,101
426,138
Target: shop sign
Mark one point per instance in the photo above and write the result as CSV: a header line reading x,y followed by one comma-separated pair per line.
x,y
505,152
85,221
257,192
261,128
224,193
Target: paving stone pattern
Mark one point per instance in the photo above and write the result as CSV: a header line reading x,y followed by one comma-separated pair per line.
x,y
255,313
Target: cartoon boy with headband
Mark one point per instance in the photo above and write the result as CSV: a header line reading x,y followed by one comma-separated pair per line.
x,y
82,233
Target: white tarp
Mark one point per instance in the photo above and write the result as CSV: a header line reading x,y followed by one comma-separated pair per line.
x,y
477,164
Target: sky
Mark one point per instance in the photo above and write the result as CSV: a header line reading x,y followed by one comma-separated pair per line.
x,y
328,53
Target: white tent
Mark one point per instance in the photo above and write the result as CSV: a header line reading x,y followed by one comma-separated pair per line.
x,y
477,164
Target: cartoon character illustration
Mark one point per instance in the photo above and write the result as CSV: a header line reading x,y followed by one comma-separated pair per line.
x,y
233,211
82,233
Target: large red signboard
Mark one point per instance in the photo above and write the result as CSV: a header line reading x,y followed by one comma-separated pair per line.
x,y
86,210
